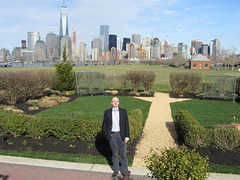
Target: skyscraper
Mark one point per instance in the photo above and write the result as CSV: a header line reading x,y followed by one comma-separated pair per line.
x,y
63,21
215,47
196,46
112,41
136,38
74,50
63,25
125,42
104,30
32,38
52,46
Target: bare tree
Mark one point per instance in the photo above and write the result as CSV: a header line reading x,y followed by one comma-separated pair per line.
x,y
178,60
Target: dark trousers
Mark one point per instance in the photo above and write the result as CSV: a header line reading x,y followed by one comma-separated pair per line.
x,y
116,145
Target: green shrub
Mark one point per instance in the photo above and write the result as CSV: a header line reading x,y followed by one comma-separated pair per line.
x,y
147,80
134,78
191,131
176,163
65,74
226,137
135,123
18,86
185,82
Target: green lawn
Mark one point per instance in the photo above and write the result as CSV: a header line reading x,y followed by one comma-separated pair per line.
x,y
93,107
162,74
209,112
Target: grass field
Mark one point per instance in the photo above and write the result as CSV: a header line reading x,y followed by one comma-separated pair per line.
x,y
209,112
93,107
162,74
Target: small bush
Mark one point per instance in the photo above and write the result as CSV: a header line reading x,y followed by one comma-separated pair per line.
x,y
135,122
65,74
147,80
175,163
185,82
226,137
134,78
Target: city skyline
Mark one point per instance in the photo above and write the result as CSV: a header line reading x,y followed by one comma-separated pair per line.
x,y
180,20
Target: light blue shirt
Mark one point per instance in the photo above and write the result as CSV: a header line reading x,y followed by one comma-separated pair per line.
x,y
115,120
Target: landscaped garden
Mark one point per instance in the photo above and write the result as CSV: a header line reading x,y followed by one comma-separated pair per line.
x,y
65,143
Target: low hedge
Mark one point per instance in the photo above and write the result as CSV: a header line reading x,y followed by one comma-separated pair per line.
x,y
63,129
225,137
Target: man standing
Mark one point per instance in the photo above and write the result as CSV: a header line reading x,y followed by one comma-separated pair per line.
x,y
116,129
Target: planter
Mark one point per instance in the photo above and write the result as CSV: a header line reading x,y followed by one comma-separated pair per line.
x,y
236,125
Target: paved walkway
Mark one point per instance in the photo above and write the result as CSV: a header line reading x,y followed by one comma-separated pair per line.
x,y
159,130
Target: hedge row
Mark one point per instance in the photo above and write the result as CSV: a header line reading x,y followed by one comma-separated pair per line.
x,y
63,129
225,137
185,82
17,86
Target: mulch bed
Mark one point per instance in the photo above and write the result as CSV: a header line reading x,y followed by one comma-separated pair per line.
x,y
100,146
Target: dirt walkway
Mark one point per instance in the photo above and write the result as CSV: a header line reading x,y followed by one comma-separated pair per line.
x,y
159,131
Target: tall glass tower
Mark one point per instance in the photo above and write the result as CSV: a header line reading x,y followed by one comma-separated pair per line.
x,y
63,21
104,30
32,38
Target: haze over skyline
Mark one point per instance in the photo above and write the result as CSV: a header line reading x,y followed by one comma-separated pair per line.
x,y
180,20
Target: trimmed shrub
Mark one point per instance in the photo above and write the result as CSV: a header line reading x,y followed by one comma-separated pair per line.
x,y
147,80
226,137
21,85
193,134
111,81
135,122
134,78
63,129
185,82
176,163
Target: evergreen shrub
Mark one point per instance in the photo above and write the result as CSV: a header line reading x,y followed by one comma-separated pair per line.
x,y
135,118
176,163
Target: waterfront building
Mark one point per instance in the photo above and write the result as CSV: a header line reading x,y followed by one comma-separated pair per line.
x,y
40,52
52,47
32,38
136,38
125,42
196,46
112,41
104,30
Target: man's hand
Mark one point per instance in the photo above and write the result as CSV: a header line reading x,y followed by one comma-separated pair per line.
x,y
126,140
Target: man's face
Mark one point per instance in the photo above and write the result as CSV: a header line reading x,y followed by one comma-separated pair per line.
x,y
115,102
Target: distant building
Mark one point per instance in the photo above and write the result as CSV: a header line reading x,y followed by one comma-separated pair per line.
x,y
40,52
215,47
136,38
32,38
97,44
24,44
112,41
119,43
168,51
156,51
204,50
196,46
63,25
199,62
104,30
52,47
125,42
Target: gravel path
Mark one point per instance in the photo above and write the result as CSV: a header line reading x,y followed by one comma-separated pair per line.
x,y
159,131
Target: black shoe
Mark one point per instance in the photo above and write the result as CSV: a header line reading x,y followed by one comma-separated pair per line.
x,y
127,175
115,174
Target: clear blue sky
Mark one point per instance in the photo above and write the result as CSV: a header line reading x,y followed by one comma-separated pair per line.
x,y
180,20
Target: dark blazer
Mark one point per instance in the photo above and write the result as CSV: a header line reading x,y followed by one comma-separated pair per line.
x,y
123,121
